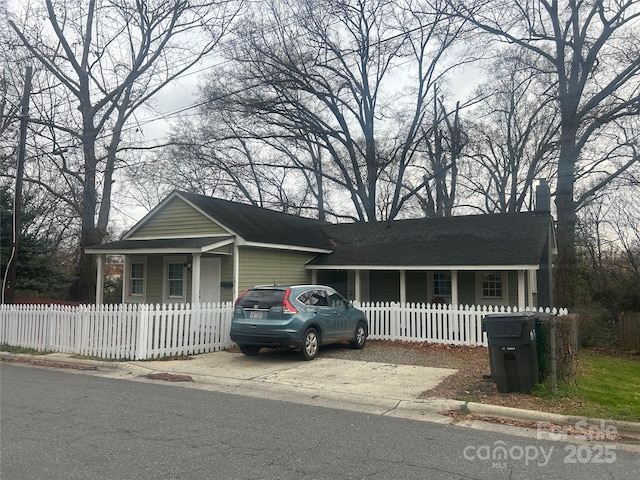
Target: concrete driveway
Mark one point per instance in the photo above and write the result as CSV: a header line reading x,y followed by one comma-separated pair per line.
x,y
322,375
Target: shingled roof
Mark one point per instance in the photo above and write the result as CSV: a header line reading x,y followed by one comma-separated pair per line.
x,y
260,225
474,240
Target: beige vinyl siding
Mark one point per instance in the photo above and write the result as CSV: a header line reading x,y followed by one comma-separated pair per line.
x,y
178,219
467,287
226,276
417,286
512,288
264,267
155,269
156,281
384,285
224,250
338,279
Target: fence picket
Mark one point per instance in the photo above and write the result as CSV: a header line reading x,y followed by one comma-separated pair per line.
x,y
142,331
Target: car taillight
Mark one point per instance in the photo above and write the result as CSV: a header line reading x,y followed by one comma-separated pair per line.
x,y
239,297
287,307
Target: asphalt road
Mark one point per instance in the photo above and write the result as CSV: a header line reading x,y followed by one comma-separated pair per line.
x,y
68,425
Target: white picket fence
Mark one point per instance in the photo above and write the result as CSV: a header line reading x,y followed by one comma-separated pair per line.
x,y
129,331
141,331
435,323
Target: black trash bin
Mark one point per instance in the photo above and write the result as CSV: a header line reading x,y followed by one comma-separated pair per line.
x,y
512,350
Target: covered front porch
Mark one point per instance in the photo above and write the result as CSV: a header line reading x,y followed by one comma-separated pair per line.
x,y
170,270
519,286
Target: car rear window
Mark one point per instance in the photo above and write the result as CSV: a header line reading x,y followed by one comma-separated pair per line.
x,y
262,299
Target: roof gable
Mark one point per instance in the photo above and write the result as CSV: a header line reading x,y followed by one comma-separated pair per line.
x,y
257,225
175,218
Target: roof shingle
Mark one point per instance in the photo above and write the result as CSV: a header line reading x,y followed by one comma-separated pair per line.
x,y
497,239
261,225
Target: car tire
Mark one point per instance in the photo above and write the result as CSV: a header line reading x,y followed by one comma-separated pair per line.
x,y
359,336
249,349
310,344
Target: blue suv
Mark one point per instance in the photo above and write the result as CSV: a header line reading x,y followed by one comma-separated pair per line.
x,y
299,317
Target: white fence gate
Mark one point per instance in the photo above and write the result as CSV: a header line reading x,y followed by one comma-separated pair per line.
x,y
141,331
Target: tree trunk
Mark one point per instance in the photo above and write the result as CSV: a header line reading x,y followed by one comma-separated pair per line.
x,y
84,286
566,222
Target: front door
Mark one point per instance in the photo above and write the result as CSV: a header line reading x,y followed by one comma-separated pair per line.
x,y
210,279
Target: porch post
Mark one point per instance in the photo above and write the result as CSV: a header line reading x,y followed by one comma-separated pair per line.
x,y
236,271
195,278
99,279
531,283
358,287
125,278
454,288
521,291
403,287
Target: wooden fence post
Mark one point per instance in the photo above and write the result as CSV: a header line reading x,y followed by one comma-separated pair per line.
x,y
49,330
142,333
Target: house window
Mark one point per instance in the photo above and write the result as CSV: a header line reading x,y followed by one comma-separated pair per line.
x,y
492,285
175,279
136,279
442,284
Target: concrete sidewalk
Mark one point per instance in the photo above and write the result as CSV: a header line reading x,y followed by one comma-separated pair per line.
x,y
366,387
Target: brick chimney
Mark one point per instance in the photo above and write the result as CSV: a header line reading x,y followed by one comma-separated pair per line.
x,y
543,197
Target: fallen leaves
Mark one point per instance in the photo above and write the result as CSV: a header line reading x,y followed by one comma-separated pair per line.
x,y
170,377
590,434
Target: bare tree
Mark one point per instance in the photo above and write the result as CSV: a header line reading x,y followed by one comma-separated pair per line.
x,y
222,155
609,248
443,145
8,117
514,136
592,51
10,84
342,90
108,58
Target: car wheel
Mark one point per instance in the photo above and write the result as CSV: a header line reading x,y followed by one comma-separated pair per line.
x,y
359,336
249,349
310,345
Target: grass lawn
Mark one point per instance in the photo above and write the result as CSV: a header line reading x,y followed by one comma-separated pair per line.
x,y
608,385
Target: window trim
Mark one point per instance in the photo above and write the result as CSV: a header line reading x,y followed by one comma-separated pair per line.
x,y
166,261
129,295
504,285
447,275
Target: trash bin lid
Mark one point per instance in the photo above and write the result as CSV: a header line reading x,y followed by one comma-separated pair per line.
x,y
509,316
509,325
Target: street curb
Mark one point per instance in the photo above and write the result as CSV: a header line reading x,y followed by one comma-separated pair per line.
x,y
64,359
624,428
437,405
